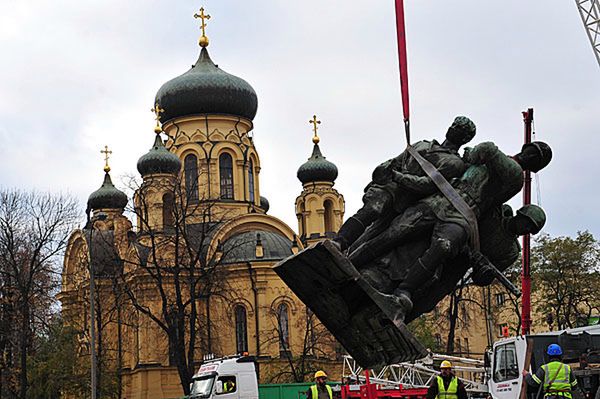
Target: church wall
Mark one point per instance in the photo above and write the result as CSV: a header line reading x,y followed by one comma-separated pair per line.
x,y
148,200
271,292
208,137
256,171
152,382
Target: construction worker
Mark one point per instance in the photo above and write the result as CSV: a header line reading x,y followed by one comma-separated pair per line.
x,y
555,377
320,390
446,385
228,386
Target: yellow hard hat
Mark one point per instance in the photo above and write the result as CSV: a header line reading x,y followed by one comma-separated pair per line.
x,y
446,365
320,373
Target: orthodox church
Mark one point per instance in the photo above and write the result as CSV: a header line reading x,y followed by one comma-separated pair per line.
x,y
183,267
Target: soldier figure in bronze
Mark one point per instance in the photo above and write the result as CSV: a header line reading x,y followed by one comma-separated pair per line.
x,y
499,232
388,192
492,179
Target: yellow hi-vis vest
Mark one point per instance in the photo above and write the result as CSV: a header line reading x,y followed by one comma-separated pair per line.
x,y
451,392
315,393
557,379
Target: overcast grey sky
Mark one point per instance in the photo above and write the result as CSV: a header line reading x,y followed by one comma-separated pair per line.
x,y
76,75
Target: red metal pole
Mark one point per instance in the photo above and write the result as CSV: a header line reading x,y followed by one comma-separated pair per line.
x,y
526,272
368,385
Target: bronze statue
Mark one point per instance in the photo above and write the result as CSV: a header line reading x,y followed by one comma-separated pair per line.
x,y
415,238
492,179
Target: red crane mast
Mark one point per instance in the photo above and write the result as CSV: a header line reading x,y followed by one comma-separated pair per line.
x,y
526,271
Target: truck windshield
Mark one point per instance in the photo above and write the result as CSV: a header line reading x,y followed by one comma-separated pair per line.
x,y
202,387
505,363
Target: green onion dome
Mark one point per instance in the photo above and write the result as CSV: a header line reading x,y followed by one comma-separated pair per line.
x,y
317,168
264,203
158,160
206,89
107,196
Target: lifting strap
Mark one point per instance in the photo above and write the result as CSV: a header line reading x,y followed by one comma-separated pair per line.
x,y
451,194
403,61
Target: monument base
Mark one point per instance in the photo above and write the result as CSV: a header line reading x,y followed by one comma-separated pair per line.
x,y
367,323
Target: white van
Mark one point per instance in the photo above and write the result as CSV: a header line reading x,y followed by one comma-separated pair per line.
x,y
226,378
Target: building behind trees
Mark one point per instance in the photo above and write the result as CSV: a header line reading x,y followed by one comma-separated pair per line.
x,y
183,268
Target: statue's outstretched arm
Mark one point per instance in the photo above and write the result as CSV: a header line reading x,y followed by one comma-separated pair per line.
x,y
422,185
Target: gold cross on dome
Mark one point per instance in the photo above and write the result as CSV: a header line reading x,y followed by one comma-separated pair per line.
x,y
106,153
204,18
157,111
315,122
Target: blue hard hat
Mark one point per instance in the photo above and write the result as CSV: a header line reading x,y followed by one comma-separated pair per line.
x,y
554,350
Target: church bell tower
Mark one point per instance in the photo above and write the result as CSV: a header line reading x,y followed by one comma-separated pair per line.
x,y
320,207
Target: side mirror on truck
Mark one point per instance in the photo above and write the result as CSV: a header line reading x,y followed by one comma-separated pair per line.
x,y
219,387
487,359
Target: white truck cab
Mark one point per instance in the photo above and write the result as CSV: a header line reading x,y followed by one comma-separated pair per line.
x,y
226,378
508,360
509,355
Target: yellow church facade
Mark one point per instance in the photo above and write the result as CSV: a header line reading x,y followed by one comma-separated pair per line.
x,y
183,267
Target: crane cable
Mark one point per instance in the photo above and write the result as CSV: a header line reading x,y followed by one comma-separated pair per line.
x,y
536,176
402,58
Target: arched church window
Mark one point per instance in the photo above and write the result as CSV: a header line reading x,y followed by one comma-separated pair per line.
x,y
168,204
283,327
190,164
251,180
329,227
302,220
226,175
241,329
